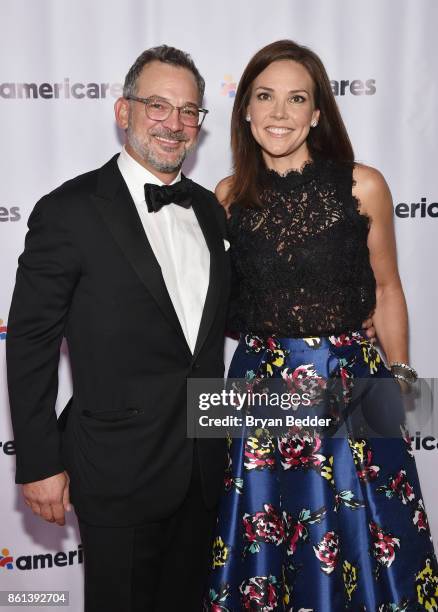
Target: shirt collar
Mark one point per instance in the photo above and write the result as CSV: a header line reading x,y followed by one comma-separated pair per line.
x,y
136,175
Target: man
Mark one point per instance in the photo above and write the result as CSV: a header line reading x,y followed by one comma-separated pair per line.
x,y
136,278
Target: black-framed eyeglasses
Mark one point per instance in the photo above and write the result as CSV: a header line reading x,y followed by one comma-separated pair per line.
x,y
158,109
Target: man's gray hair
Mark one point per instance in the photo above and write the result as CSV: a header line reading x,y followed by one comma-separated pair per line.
x,y
167,55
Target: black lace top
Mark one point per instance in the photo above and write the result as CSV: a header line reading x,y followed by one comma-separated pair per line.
x,y
301,263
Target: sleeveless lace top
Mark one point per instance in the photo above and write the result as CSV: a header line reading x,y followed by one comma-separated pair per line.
x,y
301,263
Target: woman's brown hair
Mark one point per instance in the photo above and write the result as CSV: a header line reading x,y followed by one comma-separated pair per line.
x,y
328,140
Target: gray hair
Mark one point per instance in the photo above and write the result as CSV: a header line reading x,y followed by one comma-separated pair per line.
x,y
167,55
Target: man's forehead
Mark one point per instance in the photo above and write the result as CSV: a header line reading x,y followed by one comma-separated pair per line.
x,y
167,75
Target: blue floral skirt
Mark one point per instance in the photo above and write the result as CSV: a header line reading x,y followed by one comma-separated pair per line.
x,y
311,522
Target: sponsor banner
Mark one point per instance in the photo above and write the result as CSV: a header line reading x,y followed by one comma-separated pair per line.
x,y
9,214
64,90
29,562
3,330
417,210
60,76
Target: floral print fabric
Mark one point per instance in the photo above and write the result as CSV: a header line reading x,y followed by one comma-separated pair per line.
x,y
313,523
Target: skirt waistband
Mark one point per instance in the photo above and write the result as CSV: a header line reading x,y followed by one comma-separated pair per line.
x,y
312,342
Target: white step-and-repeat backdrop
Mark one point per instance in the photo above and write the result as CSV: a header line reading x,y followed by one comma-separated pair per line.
x,y
62,65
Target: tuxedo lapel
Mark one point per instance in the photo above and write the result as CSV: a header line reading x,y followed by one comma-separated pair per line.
x,y
213,237
118,210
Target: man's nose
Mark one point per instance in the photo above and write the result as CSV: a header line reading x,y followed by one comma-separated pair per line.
x,y
173,121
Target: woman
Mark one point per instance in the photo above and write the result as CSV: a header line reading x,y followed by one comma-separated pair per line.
x,y
309,521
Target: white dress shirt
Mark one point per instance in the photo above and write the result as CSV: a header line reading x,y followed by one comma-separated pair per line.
x,y
178,244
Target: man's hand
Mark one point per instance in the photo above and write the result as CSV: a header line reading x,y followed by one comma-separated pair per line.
x,y
367,325
49,498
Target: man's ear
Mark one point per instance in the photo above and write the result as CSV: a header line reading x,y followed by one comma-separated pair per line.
x,y
121,112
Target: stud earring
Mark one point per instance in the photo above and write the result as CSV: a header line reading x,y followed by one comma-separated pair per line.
x,y
248,118
313,123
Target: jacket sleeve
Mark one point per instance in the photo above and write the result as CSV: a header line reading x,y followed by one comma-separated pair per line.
x,y
48,271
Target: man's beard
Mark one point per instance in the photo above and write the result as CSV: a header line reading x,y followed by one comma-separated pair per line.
x,y
148,155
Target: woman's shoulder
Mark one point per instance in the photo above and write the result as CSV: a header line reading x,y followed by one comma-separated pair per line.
x,y
223,191
368,178
370,188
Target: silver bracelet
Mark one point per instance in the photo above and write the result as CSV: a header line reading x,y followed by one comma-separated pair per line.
x,y
403,371
403,378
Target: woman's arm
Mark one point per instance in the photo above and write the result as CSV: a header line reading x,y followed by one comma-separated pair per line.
x,y
390,317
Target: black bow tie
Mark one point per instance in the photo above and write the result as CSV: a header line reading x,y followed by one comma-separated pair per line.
x,y
158,196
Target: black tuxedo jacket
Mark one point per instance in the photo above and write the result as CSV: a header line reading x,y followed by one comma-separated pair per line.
x,y
88,273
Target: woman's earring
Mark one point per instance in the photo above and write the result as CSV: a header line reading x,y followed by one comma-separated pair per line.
x,y
248,118
313,123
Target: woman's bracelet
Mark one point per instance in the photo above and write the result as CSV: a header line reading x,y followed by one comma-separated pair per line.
x,y
403,378
403,371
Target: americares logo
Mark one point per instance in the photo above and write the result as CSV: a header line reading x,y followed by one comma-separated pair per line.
x,y
3,330
8,447
419,442
228,86
416,210
42,561
6,560
11,214
65,89
356,87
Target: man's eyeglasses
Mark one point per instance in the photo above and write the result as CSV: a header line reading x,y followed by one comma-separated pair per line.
x,y
158,109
